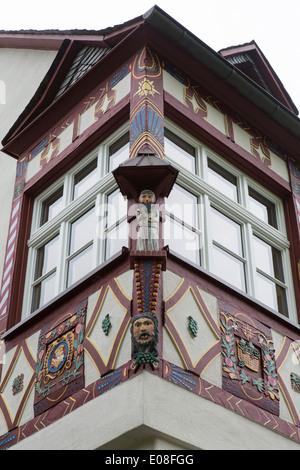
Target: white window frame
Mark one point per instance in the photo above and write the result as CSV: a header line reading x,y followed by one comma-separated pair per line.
x,y
207,195
72,209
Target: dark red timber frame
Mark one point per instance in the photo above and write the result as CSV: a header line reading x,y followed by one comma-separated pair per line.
x,y
202,130
31,134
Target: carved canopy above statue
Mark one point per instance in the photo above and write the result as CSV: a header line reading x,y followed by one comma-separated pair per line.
x,y
145,170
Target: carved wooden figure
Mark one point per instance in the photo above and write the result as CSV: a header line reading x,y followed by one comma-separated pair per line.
x,y
144,334
148,219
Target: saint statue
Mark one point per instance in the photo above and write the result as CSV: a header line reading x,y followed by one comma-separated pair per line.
x,y
147,216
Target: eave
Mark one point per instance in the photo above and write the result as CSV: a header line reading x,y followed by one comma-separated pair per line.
x,y
238,90
264,68
52,39
36,124
189,53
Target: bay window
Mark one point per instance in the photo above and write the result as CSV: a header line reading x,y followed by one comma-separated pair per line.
x,y
234,227
216,217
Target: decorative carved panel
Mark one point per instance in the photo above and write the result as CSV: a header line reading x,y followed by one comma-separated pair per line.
x,y
248,362
60,361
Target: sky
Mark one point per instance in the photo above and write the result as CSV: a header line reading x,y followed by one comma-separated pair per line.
x,y
272,24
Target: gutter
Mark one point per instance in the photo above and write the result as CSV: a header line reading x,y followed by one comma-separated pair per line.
x,y
223,69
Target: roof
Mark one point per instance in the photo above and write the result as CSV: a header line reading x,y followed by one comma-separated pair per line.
x,y
251,61
53,38
251,76
132,177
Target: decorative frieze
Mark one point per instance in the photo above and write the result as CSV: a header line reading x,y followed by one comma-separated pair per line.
x,y
146,104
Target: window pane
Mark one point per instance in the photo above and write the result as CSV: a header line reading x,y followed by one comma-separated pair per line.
x,y
117,207
179,151
80,265
266,291
116,238
222,180
183,205
52,206
268,259
85,179
46,258
281,300
43,292
226,232
82,231
119,152
228,268
262,208
182,240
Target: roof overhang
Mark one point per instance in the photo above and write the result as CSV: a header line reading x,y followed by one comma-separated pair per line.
x,y
145,170
223,69
171,39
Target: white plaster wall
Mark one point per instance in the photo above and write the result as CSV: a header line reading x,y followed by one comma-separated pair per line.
x,y
21,72
291,364
217,120
170,412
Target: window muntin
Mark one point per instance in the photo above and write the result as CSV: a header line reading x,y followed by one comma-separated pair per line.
x,y
233,209
78,216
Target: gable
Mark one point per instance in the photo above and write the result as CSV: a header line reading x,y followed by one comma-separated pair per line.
x,y
84,60
250,60
255,82
78,52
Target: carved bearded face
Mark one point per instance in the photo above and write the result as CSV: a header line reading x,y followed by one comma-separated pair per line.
x,y
143,330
